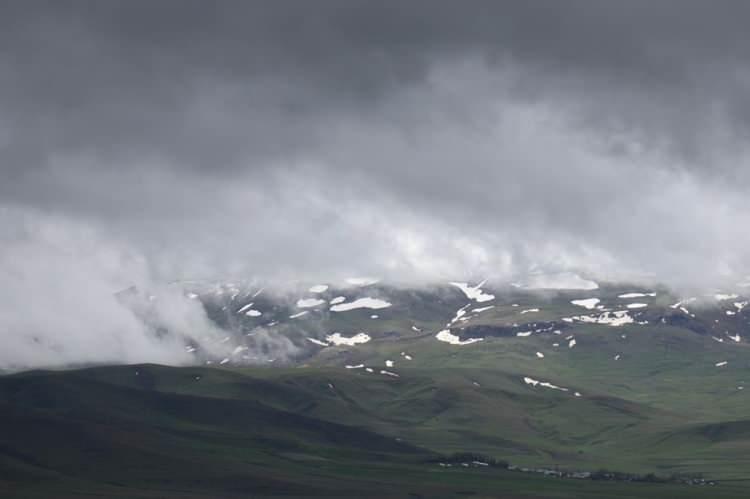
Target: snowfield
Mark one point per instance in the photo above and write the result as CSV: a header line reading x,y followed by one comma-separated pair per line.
x,y
626,296
535,382
587,303
446,336
482,309
309,302
372,303
474,293
338,339
615,319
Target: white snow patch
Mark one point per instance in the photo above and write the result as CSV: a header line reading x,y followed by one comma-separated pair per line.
x,y
388,363
224,361
374,316
617,318
686,311
740,305
637,305
459,313
721,364
358,366
317,342
617,357
338,299
338,339
523,334
446,336
474,293
588,303
318,288
572,343
253,313
529,310
373,303
388,373
626,296
482,309
309,302
540,355
249,305
736,338
299,314
535,382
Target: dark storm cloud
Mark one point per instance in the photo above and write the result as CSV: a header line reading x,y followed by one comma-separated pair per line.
x,y
129,77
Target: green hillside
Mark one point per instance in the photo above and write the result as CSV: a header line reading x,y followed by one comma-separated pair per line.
x,y
151,431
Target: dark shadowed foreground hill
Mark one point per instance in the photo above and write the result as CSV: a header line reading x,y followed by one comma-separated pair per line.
x,y
148,431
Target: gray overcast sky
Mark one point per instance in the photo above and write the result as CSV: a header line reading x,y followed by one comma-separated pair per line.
x,y
414,140
419,141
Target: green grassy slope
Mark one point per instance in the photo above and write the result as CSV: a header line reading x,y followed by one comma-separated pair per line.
x,y
151,431
643,397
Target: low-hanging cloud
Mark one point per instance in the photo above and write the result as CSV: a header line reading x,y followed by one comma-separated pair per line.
x,y
61,301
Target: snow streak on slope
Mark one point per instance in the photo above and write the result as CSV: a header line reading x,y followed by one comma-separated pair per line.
x,y
626,296
338,339
309,302
372,303
474,292
446,336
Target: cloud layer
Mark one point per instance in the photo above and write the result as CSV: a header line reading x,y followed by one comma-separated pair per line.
x,y
142,142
